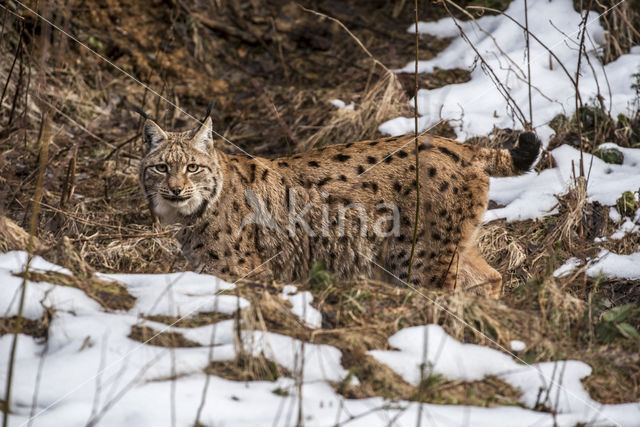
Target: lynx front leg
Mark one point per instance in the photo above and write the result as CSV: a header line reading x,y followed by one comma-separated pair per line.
x,y
478,277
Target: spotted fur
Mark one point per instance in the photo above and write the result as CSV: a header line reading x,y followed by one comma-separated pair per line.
x,y
219,198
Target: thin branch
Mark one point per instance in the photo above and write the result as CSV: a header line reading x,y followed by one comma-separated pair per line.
x,y
205,388
33,223
94,420
353,36
527,32
492,75
532,35
578,99
415,142
13,64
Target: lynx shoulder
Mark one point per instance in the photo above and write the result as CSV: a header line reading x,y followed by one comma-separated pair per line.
x,y
351,206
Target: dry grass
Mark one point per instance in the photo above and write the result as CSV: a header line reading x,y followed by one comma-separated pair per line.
x,y
150,336
621,26
110,295
248,368
384,100
12,236
35,328
504,251
194,321
615,377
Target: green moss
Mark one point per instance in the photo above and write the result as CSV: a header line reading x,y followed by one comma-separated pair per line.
x,y
319,277
627,204
609,155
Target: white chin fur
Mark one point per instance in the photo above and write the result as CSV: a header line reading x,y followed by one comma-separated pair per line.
x,y
169,211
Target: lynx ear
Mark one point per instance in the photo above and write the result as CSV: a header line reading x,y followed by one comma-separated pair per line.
x,y
203,138
152,135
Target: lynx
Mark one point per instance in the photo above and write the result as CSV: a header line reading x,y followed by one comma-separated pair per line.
x,y
351,206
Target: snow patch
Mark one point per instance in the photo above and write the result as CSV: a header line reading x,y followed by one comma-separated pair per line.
x,y
90,359
302,307
556,385
475,107
609,264
567,268
532,195
341,105
517,345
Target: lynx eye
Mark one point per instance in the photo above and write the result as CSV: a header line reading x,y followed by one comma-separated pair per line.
x,y
162,168
192,167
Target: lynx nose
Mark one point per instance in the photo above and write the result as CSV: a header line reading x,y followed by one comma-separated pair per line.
x,y
176,190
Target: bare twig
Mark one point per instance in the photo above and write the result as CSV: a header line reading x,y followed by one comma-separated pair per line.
x,y
551,52
488,69
207,380
273,109
36,388
415,142
13,64
344,27
527,32
578,99
33,222
122,392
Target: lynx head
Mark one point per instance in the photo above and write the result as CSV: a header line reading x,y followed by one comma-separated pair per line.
x,y
180,172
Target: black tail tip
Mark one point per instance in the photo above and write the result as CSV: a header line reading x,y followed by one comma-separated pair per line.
x,y
526,152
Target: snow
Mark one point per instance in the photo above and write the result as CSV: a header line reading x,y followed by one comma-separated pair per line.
x,y
341,104
88,349
606,264
613,265
475,107
517,345
302,306
627,227
186,296
90,366
432,347
614,215
532,195
567,268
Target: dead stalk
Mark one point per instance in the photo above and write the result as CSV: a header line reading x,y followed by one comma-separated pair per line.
x,y
578,99
526,23
205,388
13,64
485,65
353,36
415,142
33,224
551,52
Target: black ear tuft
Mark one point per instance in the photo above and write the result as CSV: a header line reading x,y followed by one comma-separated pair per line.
x,y
212,103
140,111
210,106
